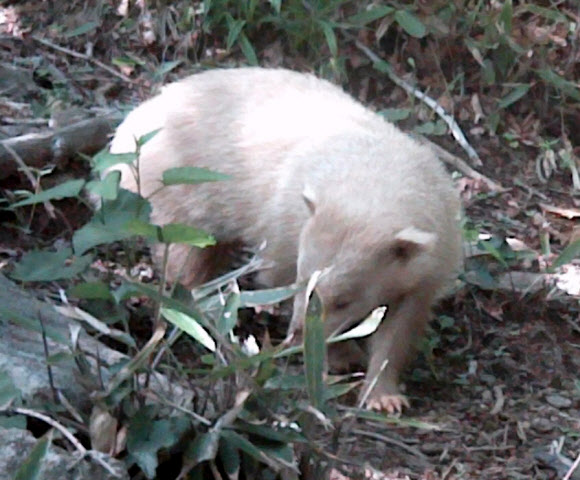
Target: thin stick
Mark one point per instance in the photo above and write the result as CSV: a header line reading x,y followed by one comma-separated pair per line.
x,y
574,466
82,56
62,429
431,103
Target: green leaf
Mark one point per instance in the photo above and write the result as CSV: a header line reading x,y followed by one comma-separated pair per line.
x,y
143,139
248,50
279,434
181,233
144,229
147,436
506,16
85,28
395,114
276,5
92,291
270,296
518,92
104,160
69,189
109,223
570,253
410,23
30,468
204,447
191,176
230,457
431,128
229,316
167,67
44,266
190,326
107,188
330,36
566,86
370,15
314,353
235,27
548,13
240,443
8,391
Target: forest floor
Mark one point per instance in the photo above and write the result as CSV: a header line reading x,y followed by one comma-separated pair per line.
x,y
499,376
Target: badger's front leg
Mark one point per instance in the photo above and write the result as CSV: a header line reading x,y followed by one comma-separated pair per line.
x,y
393,344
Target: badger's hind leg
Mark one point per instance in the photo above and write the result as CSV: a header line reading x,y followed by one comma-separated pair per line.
x,y
193,266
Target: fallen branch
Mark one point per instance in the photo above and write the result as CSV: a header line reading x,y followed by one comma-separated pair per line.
x,y
82,56
458,164
56,147
431,103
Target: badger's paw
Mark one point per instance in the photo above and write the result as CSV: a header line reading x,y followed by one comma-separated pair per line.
x,y
388,402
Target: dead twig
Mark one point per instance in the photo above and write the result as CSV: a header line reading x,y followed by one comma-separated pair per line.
x,y
431,103
82,56
65,432
456,162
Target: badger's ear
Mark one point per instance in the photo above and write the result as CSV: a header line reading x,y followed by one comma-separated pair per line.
x,y
412,241
309,198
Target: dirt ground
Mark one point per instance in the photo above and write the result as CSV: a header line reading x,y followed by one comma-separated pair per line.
x,y
500,378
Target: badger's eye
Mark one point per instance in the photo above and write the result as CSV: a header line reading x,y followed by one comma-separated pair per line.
x,y
342,304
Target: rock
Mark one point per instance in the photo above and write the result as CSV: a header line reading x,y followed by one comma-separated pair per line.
x,y
15,446
558,401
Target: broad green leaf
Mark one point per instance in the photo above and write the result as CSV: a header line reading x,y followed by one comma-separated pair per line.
x,y
104,160
230,457
570,253
147,436
44,266
204,447
241,443
181,233
410,23
143,139
167,67
107,188
276,5
191,176
395,114
92,291
506,16
383,66
278,434
109,223
30,468
69,189
8,391
314,353
281,451
235,27
566,86
370,15
549,13
248,50
144,229
512,97
190,326
330,36
270,296
229,316
85,28
431,128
